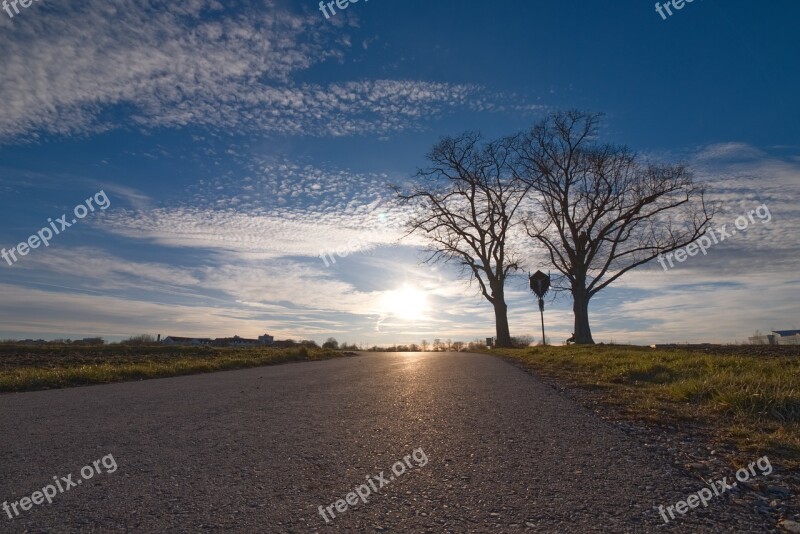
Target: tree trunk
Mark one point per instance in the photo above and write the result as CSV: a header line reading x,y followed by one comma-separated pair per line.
x,y
503,338
580,307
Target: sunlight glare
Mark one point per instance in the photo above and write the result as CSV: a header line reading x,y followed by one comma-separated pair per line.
x,y
406,303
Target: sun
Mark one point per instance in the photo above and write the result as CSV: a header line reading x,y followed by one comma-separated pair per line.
x,y
407,303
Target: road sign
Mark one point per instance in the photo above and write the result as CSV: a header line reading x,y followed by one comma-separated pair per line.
x,y
540,283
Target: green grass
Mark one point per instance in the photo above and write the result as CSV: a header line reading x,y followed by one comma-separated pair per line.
x,y
27,369
751,400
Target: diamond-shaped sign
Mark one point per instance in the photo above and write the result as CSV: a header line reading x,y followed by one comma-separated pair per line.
x,y
540,283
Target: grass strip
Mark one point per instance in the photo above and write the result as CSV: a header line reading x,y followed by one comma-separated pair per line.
x,y
752,400
53,372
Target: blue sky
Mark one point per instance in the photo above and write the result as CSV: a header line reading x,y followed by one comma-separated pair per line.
x,y
238,142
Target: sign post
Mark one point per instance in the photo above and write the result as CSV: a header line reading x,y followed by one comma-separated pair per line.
x,y
540,285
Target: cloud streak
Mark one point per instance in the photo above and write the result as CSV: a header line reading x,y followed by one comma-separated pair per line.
x,y
84,67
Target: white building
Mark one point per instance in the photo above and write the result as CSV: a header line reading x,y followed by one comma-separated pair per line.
x,y
787,337
777,337
177,340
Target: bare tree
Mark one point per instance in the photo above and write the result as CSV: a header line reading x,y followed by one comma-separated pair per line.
x,y
466,204
603,211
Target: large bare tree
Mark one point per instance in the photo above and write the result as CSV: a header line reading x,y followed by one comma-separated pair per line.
x,y
602,211
467,203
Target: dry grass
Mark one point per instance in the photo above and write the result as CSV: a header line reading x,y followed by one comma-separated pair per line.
x,y
26,368
753,400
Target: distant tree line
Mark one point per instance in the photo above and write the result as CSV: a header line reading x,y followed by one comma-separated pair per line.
x,y
437,345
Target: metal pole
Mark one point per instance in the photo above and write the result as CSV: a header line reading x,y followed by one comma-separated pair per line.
x,y
541,312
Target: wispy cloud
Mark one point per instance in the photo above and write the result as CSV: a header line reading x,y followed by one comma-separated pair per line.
x,y
281,209
86,67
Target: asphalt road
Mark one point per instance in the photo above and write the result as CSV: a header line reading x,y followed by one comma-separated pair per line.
x,y
260,450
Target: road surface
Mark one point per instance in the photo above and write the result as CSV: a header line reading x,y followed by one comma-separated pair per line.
x,y
261,450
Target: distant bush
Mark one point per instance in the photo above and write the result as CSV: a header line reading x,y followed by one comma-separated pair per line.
x,y
90,341
138,340
522,341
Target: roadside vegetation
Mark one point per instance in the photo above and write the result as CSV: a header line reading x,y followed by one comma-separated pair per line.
x,y
747,395
27,368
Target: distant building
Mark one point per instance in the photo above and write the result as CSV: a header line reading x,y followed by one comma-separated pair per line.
x,y
786,337
235,341
189,341
777,337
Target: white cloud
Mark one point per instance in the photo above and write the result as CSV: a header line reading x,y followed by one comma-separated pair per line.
x,y
82,67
